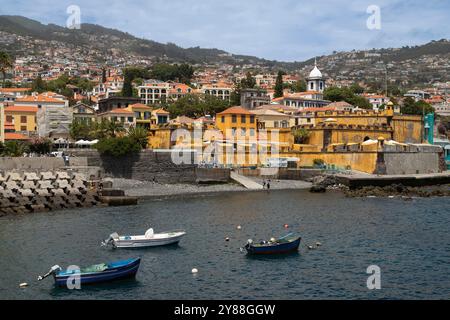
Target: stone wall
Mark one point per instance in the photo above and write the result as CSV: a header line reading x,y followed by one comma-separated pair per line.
x,y
145,166
31,164
44,191
213,175
411,163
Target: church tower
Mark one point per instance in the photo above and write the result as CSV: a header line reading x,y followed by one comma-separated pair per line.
x,y
315,80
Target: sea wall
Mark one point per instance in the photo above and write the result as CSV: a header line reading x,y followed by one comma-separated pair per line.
x,y
33,164
411,163
44,191
148,165
212,175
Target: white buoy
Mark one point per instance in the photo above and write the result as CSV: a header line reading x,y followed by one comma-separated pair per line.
x,y
23,285
318,244
227,239
239,227
195,270
310,247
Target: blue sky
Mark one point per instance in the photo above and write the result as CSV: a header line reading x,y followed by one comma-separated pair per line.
x,y
288,30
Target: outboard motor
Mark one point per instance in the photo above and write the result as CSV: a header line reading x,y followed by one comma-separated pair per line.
x,y
111,240
53,270
249,243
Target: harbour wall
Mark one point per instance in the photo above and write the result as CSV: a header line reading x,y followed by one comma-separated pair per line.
x,y
147,165
33,164
48,190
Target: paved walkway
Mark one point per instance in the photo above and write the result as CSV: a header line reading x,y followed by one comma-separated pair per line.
x,y
246,182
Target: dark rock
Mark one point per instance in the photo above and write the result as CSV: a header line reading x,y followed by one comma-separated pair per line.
x,y
318,189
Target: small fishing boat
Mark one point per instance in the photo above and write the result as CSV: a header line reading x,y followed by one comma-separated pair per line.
x,y
288,243
150,239
95,274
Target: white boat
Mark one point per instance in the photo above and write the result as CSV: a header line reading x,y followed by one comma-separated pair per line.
x,y
150,239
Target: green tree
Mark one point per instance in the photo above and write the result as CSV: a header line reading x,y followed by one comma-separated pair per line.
x,y
248,82
15,148
40,146
127,89
299,86
356,88
118,147
195,106
103,75
336,94
412,107
38,85
173,72
79,130
6,63
140,135
279,85
301,135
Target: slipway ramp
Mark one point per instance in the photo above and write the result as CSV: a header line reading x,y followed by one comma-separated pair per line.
x,y
246,182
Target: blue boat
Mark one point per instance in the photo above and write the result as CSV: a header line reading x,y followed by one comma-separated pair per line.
x,y
95,274
286,244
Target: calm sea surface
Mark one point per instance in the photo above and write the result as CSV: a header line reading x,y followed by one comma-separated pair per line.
x,y
408,240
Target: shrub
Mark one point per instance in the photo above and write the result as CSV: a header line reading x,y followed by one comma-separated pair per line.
x,y
318,162
301,136
41,146
118,147
140,135
15,148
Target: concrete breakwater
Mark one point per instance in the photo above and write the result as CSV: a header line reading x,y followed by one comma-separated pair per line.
x,y
50,190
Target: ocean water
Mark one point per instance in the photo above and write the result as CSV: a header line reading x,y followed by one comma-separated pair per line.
x,y
408,240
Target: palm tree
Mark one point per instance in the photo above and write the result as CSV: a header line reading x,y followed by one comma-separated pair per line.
x,y
6,63
112,128
140,135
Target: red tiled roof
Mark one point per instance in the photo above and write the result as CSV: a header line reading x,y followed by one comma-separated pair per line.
x,y
14,89
123,111
16,108
235,110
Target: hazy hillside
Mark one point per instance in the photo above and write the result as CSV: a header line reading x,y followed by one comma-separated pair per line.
x,y
406,66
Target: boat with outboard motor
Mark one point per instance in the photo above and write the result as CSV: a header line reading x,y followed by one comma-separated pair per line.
x,y
150,239
98,273
286,244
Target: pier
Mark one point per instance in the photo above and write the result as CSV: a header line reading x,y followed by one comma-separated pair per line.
x,y
360,180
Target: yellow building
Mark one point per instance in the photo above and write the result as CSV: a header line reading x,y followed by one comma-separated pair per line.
x,y
142,114
123,116
22,117
271,119
237,123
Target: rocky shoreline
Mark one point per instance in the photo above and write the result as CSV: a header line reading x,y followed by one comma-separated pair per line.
x,y
398,190
323,183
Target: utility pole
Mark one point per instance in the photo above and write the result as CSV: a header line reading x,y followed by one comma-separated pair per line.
x,y
2,122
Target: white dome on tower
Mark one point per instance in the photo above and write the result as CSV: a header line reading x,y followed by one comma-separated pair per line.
x,y
315,73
